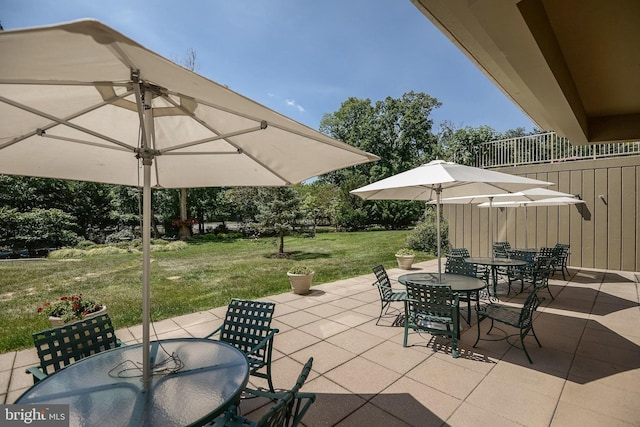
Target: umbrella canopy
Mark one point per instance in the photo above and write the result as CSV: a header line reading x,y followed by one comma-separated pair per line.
x,y
518,196
491,200
552,201
438,177
81,101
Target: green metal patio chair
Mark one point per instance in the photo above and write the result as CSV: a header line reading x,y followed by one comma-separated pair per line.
x,y
289,409
434,309
388,295
247,326
519,318
562,259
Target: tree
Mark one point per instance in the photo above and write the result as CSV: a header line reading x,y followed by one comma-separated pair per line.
x,y
279,210
463,145
398,130
318,201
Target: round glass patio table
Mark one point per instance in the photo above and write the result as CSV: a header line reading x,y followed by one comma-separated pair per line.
x,y
494,263
193,381
459,283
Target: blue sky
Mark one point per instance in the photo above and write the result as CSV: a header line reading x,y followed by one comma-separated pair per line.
x,y
302,58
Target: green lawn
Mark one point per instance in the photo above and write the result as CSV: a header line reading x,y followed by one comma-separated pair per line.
x,y
203,276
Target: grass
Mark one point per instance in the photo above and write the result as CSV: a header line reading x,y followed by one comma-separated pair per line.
x,y
200,277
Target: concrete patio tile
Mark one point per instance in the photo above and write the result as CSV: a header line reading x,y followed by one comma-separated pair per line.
x,y
26,358
618,352
355,341
291,341
480,363
282,308
298,318
326,356
350,318
361,376
569,415
20,380
446,377
371,415
482,417
386,332
324,328
219,312
303,302
325,310
545,359
201,330
281,327
395,357
347,303
367,297
194,319
125,335
160,327
416,404
333,403
609,401
6,361
5,377
369,310
508,399
528,378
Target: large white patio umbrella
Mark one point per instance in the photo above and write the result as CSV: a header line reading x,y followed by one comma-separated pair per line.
x,y
491,200
552,201
431,180
81,101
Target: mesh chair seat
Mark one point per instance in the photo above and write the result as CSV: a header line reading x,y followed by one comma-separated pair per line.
x,y
519,318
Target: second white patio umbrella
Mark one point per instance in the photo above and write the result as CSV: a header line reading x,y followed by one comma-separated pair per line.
x,y
491,200
431,180
552,201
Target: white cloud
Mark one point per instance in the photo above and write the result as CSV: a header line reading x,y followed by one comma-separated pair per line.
x,y
292,103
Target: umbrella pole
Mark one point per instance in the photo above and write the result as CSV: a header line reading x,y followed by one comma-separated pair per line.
x,y
438,191
491,227
146,267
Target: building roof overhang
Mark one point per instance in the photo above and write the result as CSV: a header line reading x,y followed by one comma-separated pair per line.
x,y
572,66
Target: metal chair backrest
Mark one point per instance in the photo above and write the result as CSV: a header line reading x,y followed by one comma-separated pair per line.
x,y
383,282
246,324
63,345
500,249
289,410
460,252
530,306
430,300
457,265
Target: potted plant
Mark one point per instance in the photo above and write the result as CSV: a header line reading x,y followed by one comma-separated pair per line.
x,y
300,277
405,257
71,308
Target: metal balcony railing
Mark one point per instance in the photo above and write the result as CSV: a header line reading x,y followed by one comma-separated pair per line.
x,y
546,148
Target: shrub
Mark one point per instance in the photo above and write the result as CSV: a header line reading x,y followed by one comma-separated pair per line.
x,y
106,250
425,238
300,269
119,237
67,254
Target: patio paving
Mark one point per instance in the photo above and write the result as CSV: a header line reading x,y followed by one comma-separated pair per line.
x,y
586,373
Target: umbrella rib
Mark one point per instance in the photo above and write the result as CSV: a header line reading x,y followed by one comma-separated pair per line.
x,y
59,121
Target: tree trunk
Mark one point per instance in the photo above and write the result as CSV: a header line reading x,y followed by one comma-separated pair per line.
x,y
185,231
281,249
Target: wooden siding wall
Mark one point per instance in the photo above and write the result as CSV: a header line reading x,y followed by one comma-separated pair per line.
x,y
604,233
